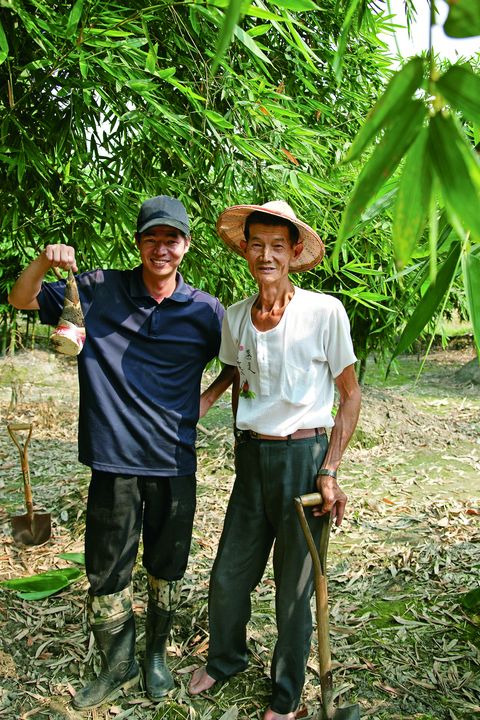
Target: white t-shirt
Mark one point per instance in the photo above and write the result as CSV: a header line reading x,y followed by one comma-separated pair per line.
x,y
287,373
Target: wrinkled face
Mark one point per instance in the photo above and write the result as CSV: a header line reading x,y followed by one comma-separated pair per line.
x,y
269,252
161,250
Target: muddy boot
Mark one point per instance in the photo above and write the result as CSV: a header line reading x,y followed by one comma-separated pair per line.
x,y
113,625
163,599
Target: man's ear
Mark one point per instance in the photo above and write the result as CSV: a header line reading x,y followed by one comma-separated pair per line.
x,y
297,250
187,242
137,239
243,246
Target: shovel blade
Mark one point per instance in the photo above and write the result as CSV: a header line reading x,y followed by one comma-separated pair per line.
x,y
348,712
31,529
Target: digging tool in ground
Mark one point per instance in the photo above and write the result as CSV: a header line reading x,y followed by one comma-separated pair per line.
x,y
319,559
33,528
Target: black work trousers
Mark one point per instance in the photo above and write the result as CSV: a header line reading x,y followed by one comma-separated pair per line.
x,y
119,508
261,513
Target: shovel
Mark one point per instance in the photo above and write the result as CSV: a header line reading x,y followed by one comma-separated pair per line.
x,y
319,559
32,528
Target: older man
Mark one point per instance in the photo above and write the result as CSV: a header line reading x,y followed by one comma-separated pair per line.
x,y
291,347
149,336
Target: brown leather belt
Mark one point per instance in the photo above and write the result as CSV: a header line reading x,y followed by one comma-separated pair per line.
x,y
297,435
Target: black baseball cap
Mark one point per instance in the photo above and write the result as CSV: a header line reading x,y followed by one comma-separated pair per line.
x,y
163,210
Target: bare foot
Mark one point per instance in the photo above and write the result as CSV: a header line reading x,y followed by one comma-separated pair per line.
x,y
200,682
270,714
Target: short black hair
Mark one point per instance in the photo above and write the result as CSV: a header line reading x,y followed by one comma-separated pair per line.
x,y
263,218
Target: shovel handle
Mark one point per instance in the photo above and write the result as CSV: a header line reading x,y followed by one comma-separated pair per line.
x,y
13,429
319,557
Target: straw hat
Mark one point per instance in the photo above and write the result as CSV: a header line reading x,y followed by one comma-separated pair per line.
x,y
231,225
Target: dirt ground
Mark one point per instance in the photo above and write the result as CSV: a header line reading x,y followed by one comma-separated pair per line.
x,y
403,644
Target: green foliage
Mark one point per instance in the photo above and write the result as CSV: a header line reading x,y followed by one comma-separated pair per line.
x,y
104,105
413,129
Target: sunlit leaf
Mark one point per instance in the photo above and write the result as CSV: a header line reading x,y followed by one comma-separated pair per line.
x,y
471,278
411,207
429,303
3,44
250,43
225,34
385,158
397,93
463,18
457,170
342,41
296,5
218,119
74,17
460,86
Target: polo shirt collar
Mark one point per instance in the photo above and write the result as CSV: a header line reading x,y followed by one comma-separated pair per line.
x,y
182,292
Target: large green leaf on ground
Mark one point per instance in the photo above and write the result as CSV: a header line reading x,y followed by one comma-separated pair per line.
x,y
463,18
398,92
382,163
471,279
458,172
429,303
460,86
411,208
36,587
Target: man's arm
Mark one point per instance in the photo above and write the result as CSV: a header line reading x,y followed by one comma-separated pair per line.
x,y
217,388
23,294
334,499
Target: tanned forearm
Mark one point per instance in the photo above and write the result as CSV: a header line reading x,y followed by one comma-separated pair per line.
x,y
217,388
334,499
345,420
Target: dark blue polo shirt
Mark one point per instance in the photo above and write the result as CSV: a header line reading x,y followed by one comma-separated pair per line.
x,y
139,370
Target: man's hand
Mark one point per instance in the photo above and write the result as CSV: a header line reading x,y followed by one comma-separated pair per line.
x,y
334,499
61,256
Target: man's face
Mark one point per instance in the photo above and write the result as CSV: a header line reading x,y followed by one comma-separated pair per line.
x,y
269,252
161,250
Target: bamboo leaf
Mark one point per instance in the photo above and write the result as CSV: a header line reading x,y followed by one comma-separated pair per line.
x,y
74,17
457,170
397,93
429,303
380,166
250,43
342,41
463,18
296,5
411,208
3,44
218,119
471,279
461,88
75,557
36,587
230,19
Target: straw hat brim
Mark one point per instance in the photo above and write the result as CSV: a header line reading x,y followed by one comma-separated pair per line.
x,y
231,224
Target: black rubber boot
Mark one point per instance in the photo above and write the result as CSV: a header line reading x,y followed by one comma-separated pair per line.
x,y
116,643
158,677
